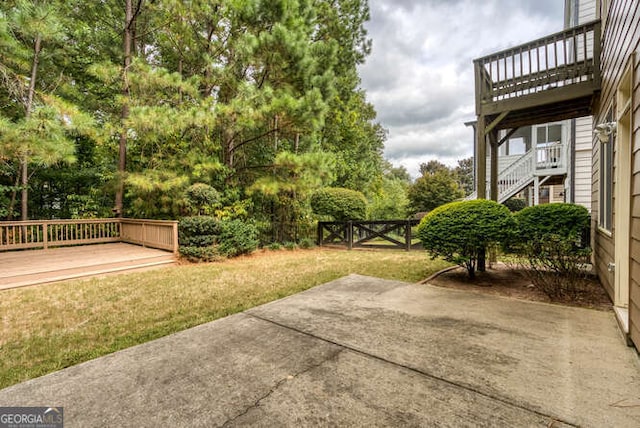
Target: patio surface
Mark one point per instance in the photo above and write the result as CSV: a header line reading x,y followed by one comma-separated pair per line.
x,y
31,267
361,351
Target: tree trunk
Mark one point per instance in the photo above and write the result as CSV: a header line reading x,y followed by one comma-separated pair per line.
x,y
14,194
122,149
24,159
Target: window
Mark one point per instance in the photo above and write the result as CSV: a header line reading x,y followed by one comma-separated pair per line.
x,y
605,212
548,133
513,146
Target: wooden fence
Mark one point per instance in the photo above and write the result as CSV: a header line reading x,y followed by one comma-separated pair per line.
x,y
161,234
384,234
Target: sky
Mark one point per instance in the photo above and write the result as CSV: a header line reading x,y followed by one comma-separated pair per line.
x,y
419,75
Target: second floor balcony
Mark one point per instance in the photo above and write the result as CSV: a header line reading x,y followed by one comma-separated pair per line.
x,y
553,78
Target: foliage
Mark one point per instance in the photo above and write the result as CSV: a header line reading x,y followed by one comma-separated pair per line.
x,y
433,190
387,199
306,243
432,167
205,238
460,231
464,175
548,240
285,193
201,199
341,204
290,246
537,223
237,237
515,204
260,101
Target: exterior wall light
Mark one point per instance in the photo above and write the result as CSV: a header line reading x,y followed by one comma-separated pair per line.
x,y
605,130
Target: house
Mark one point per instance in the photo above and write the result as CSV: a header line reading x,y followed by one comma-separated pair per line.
x,y
549,162
589,69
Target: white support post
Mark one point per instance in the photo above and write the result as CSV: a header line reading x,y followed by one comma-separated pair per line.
x,y
536,191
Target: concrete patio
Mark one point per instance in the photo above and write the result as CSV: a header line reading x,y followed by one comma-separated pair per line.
x,y
361,351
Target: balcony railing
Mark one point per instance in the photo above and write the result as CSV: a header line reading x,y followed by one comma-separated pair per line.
x,y
162,234
566,58
544,160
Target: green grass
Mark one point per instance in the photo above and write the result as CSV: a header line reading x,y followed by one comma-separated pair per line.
x,y
49,327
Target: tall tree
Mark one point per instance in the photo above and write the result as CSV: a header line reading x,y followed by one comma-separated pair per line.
x,y
432,167
37,133
464,175
433,189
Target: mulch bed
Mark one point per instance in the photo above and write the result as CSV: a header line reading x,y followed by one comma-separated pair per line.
x,y
503,280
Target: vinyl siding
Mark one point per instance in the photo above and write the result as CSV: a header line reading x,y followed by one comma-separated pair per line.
x,y
582,178
621,38
586,11
634,285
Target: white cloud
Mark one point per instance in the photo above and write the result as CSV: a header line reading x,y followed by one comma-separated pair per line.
x,y
420,73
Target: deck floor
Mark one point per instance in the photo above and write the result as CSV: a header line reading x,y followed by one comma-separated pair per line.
x,y
31,267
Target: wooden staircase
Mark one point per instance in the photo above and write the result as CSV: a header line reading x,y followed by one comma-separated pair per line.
x,y
538,165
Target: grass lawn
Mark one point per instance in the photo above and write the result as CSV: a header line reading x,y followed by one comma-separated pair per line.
x,y
49,327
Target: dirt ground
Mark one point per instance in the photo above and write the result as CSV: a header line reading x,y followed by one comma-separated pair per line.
x,y
503,280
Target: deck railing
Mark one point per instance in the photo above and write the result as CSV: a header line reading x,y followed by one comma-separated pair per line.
x,y
568,57
57,233
544,160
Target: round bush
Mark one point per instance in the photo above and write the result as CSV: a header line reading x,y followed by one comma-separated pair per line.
x,y
237,237
339,203
460,231
202,198
198,231
548,239
559,219
515,204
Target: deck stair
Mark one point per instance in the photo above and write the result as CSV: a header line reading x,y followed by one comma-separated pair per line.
x,y
540,163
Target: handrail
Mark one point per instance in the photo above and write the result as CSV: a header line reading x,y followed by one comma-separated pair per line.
x,y
564,58
15,235
538,161
516,175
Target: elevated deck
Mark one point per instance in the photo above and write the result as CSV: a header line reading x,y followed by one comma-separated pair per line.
x,y
550,79
32,267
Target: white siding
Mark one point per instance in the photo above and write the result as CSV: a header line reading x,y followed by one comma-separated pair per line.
x,y
586,11
584,133
582,178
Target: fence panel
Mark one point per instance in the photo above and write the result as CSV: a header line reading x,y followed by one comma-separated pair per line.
x,y
383,234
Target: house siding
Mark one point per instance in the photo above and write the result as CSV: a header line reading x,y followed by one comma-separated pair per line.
x,y
582,178
634,285
586,11
620,39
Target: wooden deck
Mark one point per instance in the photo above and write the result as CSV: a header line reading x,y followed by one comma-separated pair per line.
x,y
31,267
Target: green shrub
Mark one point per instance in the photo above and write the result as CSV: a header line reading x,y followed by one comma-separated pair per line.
x,y
306,243
290,246
201,198
275,246
205,238
548,243
237,237
339,203
515,204
199,230
460,231
539,222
